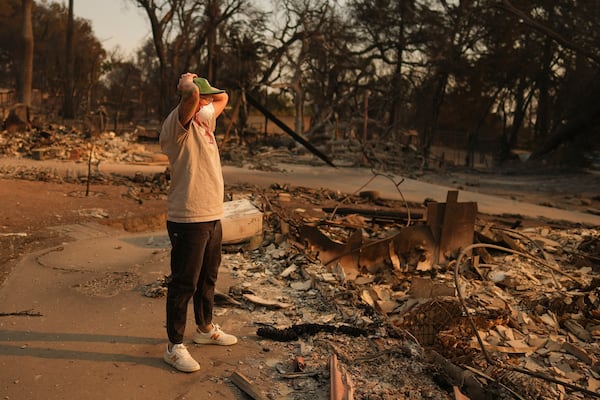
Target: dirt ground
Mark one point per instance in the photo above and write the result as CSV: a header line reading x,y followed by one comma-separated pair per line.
x,y
30,206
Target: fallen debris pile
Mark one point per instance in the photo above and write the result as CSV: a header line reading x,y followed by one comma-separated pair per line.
x,y
59,142
64,143
513,314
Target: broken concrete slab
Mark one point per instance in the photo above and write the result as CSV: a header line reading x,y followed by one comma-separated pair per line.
x,y
241,222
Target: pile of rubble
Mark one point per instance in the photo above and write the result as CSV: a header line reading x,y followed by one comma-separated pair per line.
x,y
63,143
373,306
371,291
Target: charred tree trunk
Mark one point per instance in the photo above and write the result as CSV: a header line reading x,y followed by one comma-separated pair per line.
x,y
26,81
213,13
68,110
474,134
437,100
158,29
510,139
542,120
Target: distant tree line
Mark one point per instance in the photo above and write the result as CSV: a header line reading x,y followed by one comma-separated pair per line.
x,y
486,75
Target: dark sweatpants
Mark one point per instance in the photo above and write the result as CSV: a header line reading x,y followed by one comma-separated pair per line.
x,y
195,260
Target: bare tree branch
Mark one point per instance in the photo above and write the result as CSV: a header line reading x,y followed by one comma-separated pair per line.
x,y
508,6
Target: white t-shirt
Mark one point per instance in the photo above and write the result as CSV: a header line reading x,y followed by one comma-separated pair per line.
x,y
197,190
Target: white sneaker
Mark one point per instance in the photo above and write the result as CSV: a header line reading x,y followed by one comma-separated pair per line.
x,y
180,358
215,336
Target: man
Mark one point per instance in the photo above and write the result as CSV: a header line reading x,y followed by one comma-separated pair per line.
x,y
195,207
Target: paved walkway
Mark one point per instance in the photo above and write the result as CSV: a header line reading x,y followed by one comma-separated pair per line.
x,y
91,334
350,180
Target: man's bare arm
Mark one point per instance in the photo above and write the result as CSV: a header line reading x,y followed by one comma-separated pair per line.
x,y
190,97
220,102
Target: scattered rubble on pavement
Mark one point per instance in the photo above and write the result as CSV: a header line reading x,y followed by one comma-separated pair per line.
x,y
380,299
532,294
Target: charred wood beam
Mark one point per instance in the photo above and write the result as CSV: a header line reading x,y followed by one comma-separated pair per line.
x,y
26,313
456,376
341,386
295,331
288,130
244,384
388,214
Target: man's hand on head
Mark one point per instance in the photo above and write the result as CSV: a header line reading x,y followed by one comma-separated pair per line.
x,y
186,83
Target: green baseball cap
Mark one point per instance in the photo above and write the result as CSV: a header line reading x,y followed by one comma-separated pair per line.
x,y
205,87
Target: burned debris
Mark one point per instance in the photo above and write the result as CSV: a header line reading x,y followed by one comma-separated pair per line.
x,y
483,309
382,299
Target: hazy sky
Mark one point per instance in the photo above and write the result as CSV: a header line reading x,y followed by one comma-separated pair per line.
x,y
118,22
115,22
